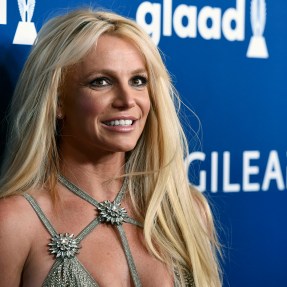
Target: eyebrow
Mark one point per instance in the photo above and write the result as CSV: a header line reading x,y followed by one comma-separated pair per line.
x,y
114,72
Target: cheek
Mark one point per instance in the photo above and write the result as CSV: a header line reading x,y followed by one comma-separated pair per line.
x,y
88,106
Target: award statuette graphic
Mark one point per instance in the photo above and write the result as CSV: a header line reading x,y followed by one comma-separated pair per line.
x,y
26,31
257,46
3,12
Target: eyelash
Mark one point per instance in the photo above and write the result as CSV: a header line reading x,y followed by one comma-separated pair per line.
x,y
143,79
95,83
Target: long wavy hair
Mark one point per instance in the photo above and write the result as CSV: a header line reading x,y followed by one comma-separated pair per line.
x,y
178,225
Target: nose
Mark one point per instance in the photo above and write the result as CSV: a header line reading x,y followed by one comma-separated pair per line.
x,y
124,97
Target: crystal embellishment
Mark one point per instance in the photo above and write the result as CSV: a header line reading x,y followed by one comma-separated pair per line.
x,y
111,212
64,245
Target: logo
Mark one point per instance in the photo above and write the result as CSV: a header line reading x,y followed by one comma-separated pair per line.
x,y
3,12
257,46
257,173
211,23
26,31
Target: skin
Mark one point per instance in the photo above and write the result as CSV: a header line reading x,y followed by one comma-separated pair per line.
x,y
109,83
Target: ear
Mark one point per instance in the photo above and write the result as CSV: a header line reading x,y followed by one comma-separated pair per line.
x,y
60,112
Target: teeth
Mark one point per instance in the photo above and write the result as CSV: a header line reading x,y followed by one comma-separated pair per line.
x,y
119,123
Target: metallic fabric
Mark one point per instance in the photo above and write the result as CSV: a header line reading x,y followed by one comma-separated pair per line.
x,y
69,272
188,279
67,269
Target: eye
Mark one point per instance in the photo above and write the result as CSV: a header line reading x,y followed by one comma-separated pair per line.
x,y
139,81
100,82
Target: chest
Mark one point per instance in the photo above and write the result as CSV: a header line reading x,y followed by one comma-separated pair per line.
x,y
101,253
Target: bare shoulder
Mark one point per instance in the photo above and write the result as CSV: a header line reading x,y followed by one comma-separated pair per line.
x,y
15,238
14,212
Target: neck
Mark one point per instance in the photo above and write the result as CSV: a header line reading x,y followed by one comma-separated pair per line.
x,y
95,174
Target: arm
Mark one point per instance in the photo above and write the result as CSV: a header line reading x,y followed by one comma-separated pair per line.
x,y
15,240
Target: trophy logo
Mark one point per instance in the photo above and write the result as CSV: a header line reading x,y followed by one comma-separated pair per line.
x,y
26,31
257,46
3,12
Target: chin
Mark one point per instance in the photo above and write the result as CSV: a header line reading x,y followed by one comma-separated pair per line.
x,y
123,144
126,148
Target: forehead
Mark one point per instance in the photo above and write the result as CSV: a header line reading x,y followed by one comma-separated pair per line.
x,y
115,53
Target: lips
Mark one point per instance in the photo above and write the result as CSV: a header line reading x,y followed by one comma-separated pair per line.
x,y
119,122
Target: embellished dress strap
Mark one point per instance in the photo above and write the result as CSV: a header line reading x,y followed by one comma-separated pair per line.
x,y
67,270
187,276
41,214
50,227
111,213
115,205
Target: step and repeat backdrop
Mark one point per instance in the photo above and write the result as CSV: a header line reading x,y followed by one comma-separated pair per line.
x,y
228,60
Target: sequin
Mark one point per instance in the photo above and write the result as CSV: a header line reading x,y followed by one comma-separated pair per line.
x,y
69,272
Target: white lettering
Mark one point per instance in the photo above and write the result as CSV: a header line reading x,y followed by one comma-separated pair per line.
x,y
211,179
214,14
210,22
214,171
167,16
227,186
202,174
236,16
249,170
273,172
191,14
3,12
154,27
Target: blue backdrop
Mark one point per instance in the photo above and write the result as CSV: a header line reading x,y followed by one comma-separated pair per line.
x,y
228,61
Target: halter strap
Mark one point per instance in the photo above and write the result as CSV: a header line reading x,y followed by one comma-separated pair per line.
x,y
85,196
41,214
110,212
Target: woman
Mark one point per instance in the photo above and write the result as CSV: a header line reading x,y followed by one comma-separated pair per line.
x,y
94,186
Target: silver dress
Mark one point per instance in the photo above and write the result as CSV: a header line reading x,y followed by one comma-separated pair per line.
x,y
67,270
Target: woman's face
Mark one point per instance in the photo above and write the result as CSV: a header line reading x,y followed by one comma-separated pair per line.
x,y
105,99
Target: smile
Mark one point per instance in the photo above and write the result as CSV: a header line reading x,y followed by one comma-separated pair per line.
x,y
119,123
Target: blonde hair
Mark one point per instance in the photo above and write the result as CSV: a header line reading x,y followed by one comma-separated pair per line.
x,y
178,225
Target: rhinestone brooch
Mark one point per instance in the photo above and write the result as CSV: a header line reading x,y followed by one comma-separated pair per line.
x,y
111,212
64,245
